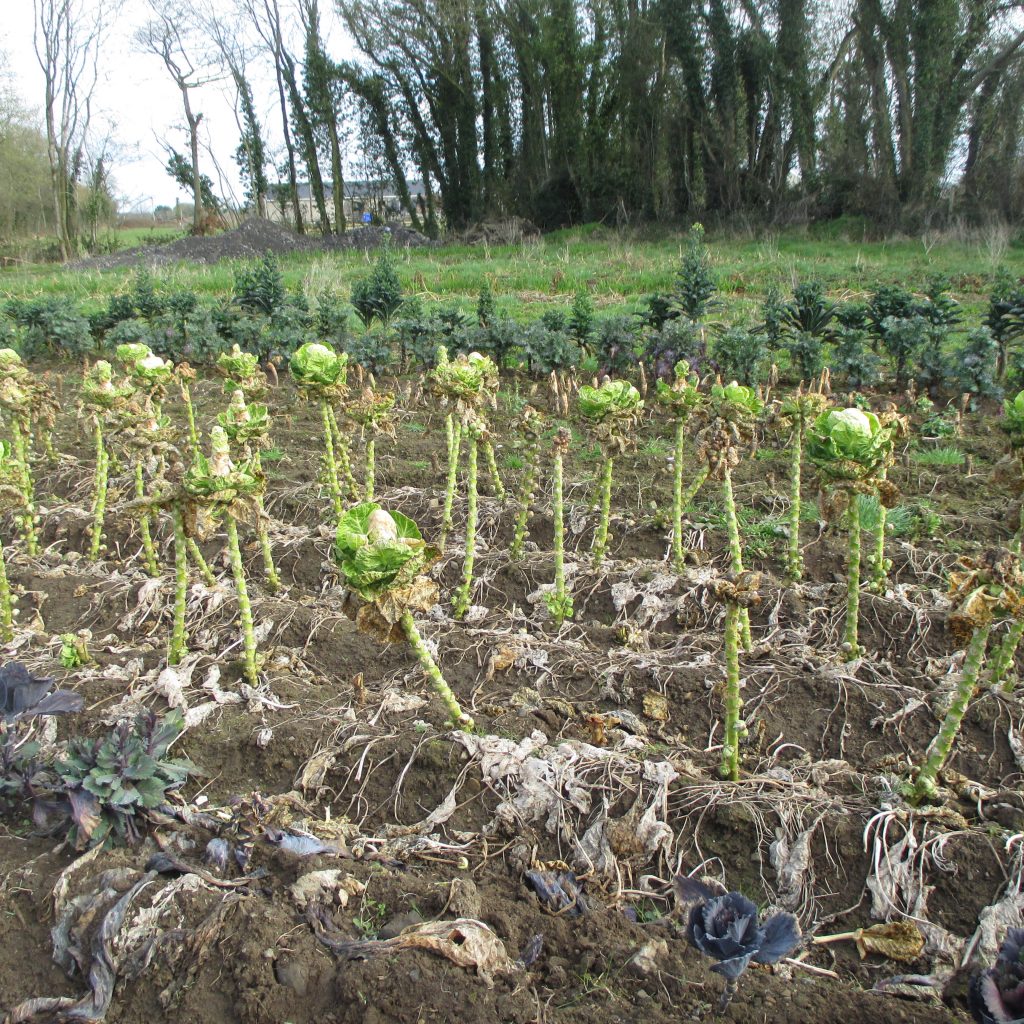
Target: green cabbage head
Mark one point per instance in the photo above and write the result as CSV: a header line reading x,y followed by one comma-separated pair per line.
x,y
378,550
1013,422
848,444
318,365
739,395
131,352
612,399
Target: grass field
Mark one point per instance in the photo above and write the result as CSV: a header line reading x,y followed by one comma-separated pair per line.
x,y
617,269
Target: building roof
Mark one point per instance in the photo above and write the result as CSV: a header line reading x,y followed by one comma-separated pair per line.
x,y
358,190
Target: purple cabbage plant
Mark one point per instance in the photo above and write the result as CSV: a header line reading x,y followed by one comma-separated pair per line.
x,y
996,994
727,927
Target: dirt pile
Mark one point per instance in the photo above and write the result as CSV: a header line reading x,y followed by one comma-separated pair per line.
x,y
251,240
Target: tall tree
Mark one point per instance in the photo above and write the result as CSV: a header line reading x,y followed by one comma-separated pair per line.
x,y
172,35
68,36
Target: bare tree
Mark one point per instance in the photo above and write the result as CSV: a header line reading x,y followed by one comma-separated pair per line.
x,y
170,36
67,37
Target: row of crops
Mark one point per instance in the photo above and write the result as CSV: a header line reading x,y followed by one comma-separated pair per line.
x,y
891,337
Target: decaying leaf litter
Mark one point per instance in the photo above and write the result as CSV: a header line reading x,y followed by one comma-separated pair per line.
x,y
337,805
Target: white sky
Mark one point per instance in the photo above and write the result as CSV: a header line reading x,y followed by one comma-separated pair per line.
x,y
137,102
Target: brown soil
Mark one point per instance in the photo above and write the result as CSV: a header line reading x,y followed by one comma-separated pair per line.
x,y
351,731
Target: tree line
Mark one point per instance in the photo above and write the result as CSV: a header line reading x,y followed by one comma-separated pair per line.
x,y
904,112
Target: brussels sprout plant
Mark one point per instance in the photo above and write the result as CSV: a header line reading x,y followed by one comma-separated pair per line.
x,y
383,557
796,413
849,448
680,398
612,413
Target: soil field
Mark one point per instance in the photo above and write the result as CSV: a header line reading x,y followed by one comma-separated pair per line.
x,y
348,809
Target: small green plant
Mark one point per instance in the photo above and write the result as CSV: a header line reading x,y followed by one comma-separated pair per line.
x,y
111,783
945,457
378,296
740,355
74,650
259,287
371,412
695,287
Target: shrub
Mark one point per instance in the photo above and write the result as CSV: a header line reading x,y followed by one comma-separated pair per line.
x,y
614,344
379,296
740,355
853,360
371,351
548,349
51,327
674,340
975,364
695,284
259,288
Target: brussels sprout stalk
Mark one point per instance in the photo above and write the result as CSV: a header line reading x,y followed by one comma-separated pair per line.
x,y
732,523
601,537
992,585
6,602
464,594
738,591
201,564
344,458
1001,662
99,489
938,751
849,448
492,469
433,673
454,453
681,397
853,649
530,425
332,466
176,648
730,767
27,517
149,551
244,608
560,602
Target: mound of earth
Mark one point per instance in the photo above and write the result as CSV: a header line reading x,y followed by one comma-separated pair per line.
x,y
252,239
509,231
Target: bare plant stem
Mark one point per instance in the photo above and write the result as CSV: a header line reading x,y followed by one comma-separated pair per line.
x,y
244,608
459,718
938,750
601,538
99,501
464,594
730,768
176,649
148,549
691,492
852,579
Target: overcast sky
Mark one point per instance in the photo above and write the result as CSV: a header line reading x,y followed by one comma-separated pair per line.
x,y
137,102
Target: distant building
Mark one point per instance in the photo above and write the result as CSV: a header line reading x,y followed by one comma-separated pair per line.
x,y
377,198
